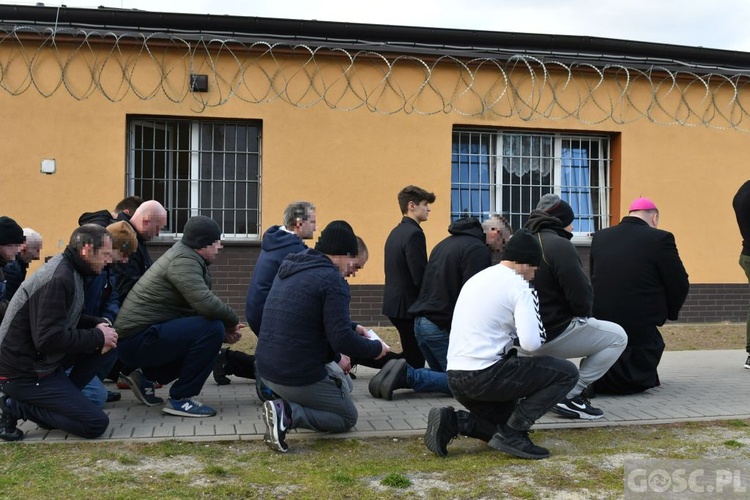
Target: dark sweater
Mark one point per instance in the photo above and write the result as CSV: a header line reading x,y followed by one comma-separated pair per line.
x,y
741,205
305,319
563,288
452,262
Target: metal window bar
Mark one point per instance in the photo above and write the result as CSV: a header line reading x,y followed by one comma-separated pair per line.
x,y
195,168
523,166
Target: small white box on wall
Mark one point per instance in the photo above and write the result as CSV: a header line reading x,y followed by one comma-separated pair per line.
x,y
49,166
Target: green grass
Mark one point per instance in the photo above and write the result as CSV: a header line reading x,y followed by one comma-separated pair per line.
x,y
356,468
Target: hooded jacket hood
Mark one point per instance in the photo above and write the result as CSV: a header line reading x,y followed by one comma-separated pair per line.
x,y
468,226
277,237
100,218
298,262
539,220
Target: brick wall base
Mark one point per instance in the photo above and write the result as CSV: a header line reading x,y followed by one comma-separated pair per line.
x,y
706,303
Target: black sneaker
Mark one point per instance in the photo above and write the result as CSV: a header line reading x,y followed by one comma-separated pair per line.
x,y
113,396
142,388
277,424
220,368
391,377
8,429
577,407
747,363
517,443
442,427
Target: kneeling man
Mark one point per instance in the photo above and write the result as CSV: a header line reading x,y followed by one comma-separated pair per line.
x,y
504,393
305,322
172,325
44,332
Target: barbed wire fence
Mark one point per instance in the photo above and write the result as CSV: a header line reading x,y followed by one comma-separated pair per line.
x,y
119,66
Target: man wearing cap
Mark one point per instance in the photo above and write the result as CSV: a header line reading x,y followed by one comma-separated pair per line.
x,y
171,323
503,392
15,270
639,282
305,322
45,332
11,239
741,206
565,303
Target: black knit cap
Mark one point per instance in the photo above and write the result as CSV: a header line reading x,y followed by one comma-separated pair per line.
x,y
337,239
201,231
523,248
556,207
10,232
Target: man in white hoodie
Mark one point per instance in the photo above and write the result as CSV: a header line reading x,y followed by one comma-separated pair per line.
x,y
504,393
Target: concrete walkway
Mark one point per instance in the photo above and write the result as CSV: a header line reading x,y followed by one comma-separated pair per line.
x,y
696,386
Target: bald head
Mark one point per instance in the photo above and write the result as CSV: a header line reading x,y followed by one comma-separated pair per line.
x,y
149,219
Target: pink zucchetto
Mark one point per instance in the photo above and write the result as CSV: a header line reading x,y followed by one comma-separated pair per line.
x,y
642,204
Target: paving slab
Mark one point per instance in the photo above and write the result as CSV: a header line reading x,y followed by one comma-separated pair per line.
x,y
696,386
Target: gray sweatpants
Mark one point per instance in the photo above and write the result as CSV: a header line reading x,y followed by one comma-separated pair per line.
x,y
598,342
324,406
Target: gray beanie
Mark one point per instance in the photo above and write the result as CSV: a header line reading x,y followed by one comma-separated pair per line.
x,y
556,207
201,231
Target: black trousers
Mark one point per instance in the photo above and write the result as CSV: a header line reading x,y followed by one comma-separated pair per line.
x,y
409,346
515,391
55,401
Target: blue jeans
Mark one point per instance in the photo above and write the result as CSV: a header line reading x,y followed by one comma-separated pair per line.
x,y
426,380
94,390
56,401
183,349
433,342
515,391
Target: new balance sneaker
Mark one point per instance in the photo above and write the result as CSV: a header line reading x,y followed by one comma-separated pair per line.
x,y
277,424
747,363
442,427
8,429
577,407
187,407
220,368
517,443
142,388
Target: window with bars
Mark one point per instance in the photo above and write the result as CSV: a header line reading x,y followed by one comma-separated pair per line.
x,y
507,172
205,167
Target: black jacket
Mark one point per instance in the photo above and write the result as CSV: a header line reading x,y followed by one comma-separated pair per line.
x,y
741,205
405,261
44,321
563,288
452,262
637,274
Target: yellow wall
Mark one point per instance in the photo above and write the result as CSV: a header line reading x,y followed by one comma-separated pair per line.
x,y
351,164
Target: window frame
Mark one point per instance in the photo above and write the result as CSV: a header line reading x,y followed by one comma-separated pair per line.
x,y
178,209
488,196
